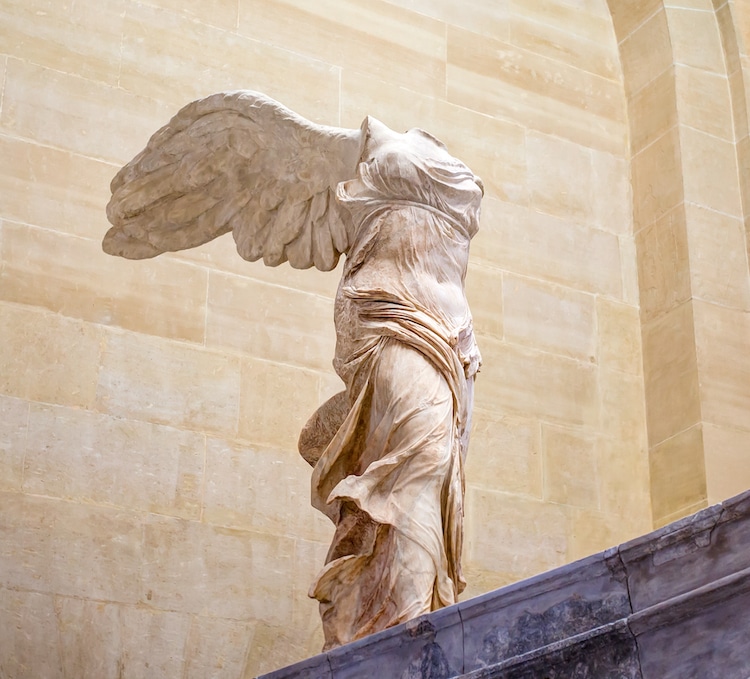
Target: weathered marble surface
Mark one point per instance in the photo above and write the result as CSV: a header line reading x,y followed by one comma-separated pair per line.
x,y
543,610
607,652
669,605
388,451
689,554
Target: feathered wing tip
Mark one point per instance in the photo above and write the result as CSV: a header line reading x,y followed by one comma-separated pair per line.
x,y
119,244
239,162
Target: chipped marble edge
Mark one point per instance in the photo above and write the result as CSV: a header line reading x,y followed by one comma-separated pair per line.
x,y
606,563
689,527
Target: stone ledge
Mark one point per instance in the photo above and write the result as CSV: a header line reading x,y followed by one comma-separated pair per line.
x,y
672,604
597,653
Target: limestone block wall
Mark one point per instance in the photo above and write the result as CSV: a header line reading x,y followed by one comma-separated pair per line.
x,y
154,513
685,79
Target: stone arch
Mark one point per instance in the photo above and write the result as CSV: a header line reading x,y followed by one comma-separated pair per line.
x,y
683,77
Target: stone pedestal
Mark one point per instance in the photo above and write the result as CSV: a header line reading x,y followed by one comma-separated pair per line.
x,y
672,604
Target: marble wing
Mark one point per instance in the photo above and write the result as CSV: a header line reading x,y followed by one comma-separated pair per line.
x,y
239,162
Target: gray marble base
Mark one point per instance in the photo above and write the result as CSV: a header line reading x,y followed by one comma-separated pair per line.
x,y
673,604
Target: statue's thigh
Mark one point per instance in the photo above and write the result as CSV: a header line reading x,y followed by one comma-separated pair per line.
x,y
411,424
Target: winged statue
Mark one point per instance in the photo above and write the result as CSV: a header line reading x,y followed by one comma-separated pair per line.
x,y
388,451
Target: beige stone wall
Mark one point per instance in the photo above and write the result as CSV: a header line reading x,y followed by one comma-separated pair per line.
x,y
685,71
154,513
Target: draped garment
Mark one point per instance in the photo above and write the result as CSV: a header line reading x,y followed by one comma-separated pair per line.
x,y
391,478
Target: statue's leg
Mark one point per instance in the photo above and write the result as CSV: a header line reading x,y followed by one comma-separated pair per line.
x,y
388,562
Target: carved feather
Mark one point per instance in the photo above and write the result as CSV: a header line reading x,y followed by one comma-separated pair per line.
x,y
239,162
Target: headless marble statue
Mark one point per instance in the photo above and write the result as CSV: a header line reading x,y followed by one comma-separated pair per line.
x,y
388,452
